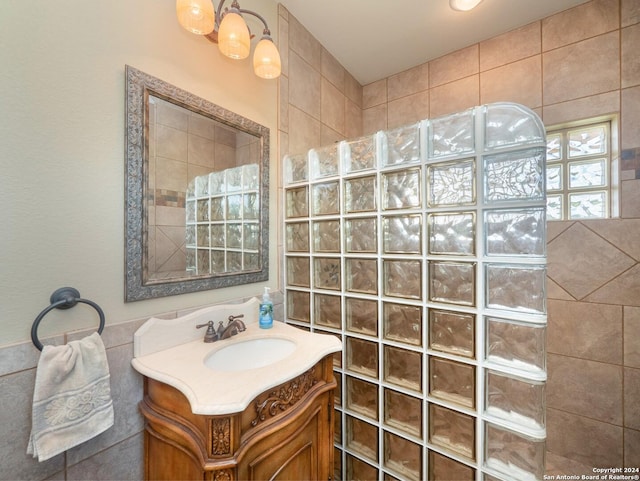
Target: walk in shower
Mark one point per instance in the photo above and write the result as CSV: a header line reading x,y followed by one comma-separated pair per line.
x,y
423,248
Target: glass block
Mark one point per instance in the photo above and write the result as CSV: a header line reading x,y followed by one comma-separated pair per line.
x,y
362,438
296,202
190,235
587,205
337,394
518,232
337,428
592,173
402,323
251,262
251,236
362,356
295,168
403,412
451,183
298,306
190,211
452,332
442,468
452,234
402,278
191,189
402,234
298,272
514,175
452,282
191,261
554,177
403,456
359,470
234,261
218,234
324,161
554,207
361,235
362,275
217,206
234,236
360,194
452,430
218,262
362,316
202,185
388,477
516,287
326,273
326,198
587,141
509,124
326,236
251,207
204,262
403,368
452,381
327,310
452,134
362,397
337,464
402,145
234,207
218,182
360,154
203,236
250,177
233,180
516,344
515,400
554,147
401,190
202,213
514,455
297,237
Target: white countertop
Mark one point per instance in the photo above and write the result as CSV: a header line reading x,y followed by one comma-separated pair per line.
x,y
213,392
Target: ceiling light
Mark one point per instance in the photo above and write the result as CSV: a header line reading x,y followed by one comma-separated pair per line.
x,y
229,30
464,5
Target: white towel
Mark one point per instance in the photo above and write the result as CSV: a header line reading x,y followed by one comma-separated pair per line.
x,y
72,397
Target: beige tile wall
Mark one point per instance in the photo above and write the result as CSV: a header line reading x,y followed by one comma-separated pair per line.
x,y
577,64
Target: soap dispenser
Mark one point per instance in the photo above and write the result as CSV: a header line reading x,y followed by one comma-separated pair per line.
x,y
265,318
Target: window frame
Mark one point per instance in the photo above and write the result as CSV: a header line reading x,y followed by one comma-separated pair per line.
x,y
612,171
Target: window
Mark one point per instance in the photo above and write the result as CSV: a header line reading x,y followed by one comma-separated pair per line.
x,y
579,171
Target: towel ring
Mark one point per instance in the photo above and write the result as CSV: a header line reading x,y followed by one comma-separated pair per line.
x,y
63,298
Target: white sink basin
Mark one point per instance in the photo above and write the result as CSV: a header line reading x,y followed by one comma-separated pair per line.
x,y
250,354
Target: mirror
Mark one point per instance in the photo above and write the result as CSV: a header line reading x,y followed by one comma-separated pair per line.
x,y
196,193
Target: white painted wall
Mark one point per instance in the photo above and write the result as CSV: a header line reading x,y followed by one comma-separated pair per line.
x,y
62,166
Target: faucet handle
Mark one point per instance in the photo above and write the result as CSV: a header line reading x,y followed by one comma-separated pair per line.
x,y
239,324
233,318
210,335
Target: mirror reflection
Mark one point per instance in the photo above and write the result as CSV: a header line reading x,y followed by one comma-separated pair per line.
x,y
201,218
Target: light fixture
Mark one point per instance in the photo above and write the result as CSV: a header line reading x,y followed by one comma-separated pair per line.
x,y
464,5
229,30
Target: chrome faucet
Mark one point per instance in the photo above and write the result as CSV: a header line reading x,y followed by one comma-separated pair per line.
x,y
234,326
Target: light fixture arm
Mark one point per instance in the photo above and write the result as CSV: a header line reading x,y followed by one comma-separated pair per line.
x,y
236,5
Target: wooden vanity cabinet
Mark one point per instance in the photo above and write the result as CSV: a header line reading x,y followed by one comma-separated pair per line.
x,y
285,433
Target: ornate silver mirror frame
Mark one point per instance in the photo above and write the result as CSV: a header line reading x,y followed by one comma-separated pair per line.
x,y
140,281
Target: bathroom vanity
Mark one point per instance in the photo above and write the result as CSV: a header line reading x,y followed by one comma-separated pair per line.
x,y
256,406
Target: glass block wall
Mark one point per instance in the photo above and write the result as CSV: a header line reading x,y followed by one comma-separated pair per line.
x,y
423,249
222,221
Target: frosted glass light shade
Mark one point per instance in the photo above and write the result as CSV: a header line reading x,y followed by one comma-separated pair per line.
x,y
233,37
266,59
464,5
197,16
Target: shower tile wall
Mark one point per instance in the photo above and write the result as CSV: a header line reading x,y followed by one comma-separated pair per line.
x,y
423,249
